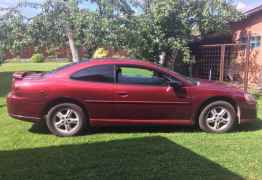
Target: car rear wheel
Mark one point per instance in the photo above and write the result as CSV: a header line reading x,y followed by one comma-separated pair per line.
x,y
66,119
217,117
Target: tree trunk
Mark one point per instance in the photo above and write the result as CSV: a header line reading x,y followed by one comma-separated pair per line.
x,y
74,51
162,58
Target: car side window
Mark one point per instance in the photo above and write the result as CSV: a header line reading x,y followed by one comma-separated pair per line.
x,y
139,75
99,73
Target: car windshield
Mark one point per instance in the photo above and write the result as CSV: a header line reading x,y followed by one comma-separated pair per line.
x,y
187,78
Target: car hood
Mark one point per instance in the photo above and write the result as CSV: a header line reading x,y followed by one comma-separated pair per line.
x,y
216,85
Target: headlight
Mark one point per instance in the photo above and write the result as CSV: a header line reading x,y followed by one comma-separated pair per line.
x,y
250,98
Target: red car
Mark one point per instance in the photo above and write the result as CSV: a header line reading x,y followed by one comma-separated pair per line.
x,y
125,92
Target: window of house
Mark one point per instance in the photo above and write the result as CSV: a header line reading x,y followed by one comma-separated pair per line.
x,y
243,39
137,75
99,73
255,41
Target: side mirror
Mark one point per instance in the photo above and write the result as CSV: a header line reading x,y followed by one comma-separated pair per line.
x,y
176,84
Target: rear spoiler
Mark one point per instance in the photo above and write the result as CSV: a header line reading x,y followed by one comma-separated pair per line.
x,y
21,75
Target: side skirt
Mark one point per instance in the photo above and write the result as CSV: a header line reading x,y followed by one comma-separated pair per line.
x,y
112,122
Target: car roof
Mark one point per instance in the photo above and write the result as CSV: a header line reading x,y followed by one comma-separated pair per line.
x,y
102,61
118,61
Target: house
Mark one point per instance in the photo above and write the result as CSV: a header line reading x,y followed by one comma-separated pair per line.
x,y
250,30
233,50
252,25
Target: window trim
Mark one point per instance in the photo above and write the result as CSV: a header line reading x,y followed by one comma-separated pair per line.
x,y
114,72
141,67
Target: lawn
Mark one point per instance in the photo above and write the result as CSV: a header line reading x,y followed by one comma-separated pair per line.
x,y
28,151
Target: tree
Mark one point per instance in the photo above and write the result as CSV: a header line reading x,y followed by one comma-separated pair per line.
x,y
12,34
113,8
61,18
167,27
57,23
64,18
43,36
106,27
149,29
209,16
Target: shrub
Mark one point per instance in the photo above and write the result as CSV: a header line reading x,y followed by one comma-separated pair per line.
x,y
100,53
37,58
51,52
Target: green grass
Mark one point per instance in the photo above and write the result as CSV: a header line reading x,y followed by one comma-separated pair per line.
x,y
28,151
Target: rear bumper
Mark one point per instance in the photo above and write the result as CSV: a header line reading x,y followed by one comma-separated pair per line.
x,y
248,113
25,118
23,109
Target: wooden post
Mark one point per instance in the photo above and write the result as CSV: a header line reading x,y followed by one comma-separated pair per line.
x,y
222,62
247,63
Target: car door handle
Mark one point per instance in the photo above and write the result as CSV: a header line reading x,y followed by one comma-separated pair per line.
x,y
122,94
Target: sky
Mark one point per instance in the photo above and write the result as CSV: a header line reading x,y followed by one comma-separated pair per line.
x,y
29,12
245,5
242,5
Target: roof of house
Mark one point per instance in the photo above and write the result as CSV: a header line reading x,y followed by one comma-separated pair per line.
x,y
254,10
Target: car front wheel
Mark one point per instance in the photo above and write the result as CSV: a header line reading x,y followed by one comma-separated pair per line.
x,y
66,119
217,117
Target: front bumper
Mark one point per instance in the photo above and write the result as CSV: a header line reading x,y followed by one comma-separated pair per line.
x,y
247,113
23,108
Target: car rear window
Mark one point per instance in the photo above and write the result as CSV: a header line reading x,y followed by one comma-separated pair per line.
x,y
61,68
99,73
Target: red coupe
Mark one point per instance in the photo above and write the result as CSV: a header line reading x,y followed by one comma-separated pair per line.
x,y
125,92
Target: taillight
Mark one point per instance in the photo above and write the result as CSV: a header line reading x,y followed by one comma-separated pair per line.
x,y
19,75
16,77
16,89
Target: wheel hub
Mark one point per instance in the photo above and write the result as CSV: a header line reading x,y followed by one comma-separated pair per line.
x,y
66,120
218,118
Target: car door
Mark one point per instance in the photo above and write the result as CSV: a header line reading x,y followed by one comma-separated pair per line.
x,y
144,94
95,87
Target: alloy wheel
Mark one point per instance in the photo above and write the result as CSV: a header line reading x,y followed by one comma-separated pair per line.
x,y
218,118
66,120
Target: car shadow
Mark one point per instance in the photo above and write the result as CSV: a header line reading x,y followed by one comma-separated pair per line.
x,y
135,158
145,129
41,128
254,126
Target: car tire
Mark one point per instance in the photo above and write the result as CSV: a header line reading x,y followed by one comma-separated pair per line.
x,y
66,119
217,117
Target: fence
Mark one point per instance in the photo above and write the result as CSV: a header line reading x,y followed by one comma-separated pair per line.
x,y
223,62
